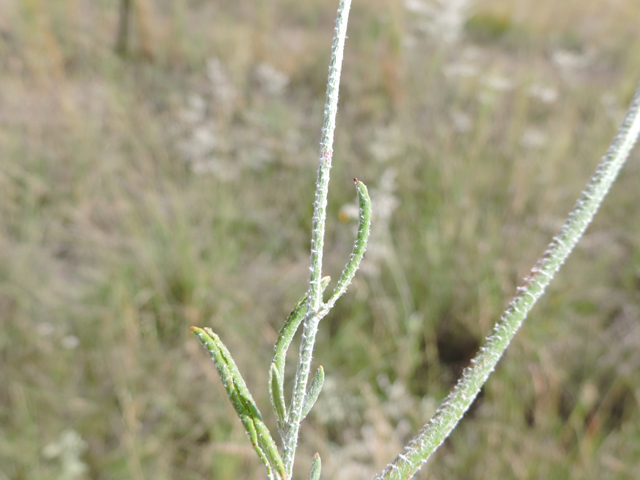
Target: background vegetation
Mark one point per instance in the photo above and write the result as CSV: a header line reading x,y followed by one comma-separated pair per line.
x,y
172,187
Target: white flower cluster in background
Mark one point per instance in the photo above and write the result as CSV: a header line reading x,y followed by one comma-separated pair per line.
x,y
533,138
373,423
572,65
271,80
543,93
200,146
67,450
442,20
49,331
569,60
206,140
222,89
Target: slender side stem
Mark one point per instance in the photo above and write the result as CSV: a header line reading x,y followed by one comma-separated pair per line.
x,y
314,298
418,451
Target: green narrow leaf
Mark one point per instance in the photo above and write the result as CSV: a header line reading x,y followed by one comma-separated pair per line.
x,y
276,394
243,393
314,391
315,468
286,334
360,245
268,446
250,428
212,344
241,399
289,329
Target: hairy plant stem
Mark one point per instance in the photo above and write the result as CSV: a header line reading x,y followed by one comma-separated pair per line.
x,y
417,452
314,297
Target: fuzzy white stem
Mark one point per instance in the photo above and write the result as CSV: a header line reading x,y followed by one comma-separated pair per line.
x,y
418,451
314,298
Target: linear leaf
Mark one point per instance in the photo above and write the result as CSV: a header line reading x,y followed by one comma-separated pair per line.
x,y
289,329
212,344
315,468
265,441
313,392
250,428
241,399
276,394
286,334
359,247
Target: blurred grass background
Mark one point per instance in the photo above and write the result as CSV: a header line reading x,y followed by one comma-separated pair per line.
x,y
173,186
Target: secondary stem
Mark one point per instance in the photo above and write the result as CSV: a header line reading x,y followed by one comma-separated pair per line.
x,y
314,298
418,451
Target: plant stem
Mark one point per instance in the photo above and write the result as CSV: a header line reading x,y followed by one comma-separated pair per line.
x,y
418,451
314,298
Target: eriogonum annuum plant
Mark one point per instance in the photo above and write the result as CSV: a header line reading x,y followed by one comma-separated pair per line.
x,y
312,308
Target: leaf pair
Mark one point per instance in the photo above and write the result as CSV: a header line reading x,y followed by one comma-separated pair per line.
x,y
276,372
